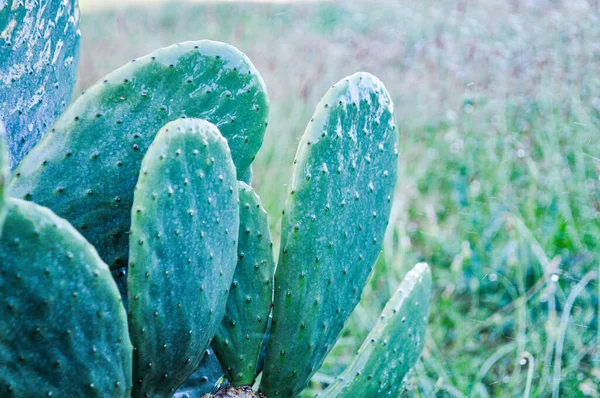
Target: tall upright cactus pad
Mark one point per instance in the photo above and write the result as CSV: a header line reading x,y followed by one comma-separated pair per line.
x,y
333,225
183,252
239,338
394,344
39,52
86,168
203,380
63,330
3,175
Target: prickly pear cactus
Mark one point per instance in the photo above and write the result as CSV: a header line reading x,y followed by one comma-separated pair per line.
x,y
203,380
63,328
182,257
86,167
39,52
239,338
394,344
3,176
333,225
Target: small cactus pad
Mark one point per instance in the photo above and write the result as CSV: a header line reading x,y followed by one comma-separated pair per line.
x,y
394,344
183,252
204,379
4,173
86,168
39,52
333,226
240,336
63,330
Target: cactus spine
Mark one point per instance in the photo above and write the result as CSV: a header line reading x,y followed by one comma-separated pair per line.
x,y
241,334
335,218
39,53
108,129
63,330
183,244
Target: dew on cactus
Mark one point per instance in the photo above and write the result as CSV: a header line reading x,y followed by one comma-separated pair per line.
x,y
39,54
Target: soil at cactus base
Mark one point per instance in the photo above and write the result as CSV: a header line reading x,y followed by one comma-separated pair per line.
x,y
236,392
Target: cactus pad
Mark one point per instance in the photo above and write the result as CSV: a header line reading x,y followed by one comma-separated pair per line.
x,y
240,336
394,344
63,328
182,257
39,52
333,225
86,167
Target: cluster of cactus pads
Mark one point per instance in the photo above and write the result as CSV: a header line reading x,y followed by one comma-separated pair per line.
x,y
135,256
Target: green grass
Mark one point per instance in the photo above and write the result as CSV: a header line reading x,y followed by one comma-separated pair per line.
x,y
499,109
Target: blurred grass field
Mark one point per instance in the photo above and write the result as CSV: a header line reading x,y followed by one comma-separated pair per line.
x,y
498,103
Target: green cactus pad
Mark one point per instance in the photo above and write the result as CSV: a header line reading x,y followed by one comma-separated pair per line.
x,y
4,174
86,168
394,344
63,328
204,379
333,226
240,336
39,52
183,253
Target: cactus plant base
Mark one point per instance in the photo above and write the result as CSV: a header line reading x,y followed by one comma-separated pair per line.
x,y
235,392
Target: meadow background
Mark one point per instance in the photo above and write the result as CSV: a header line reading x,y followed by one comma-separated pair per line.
x,y
498,105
